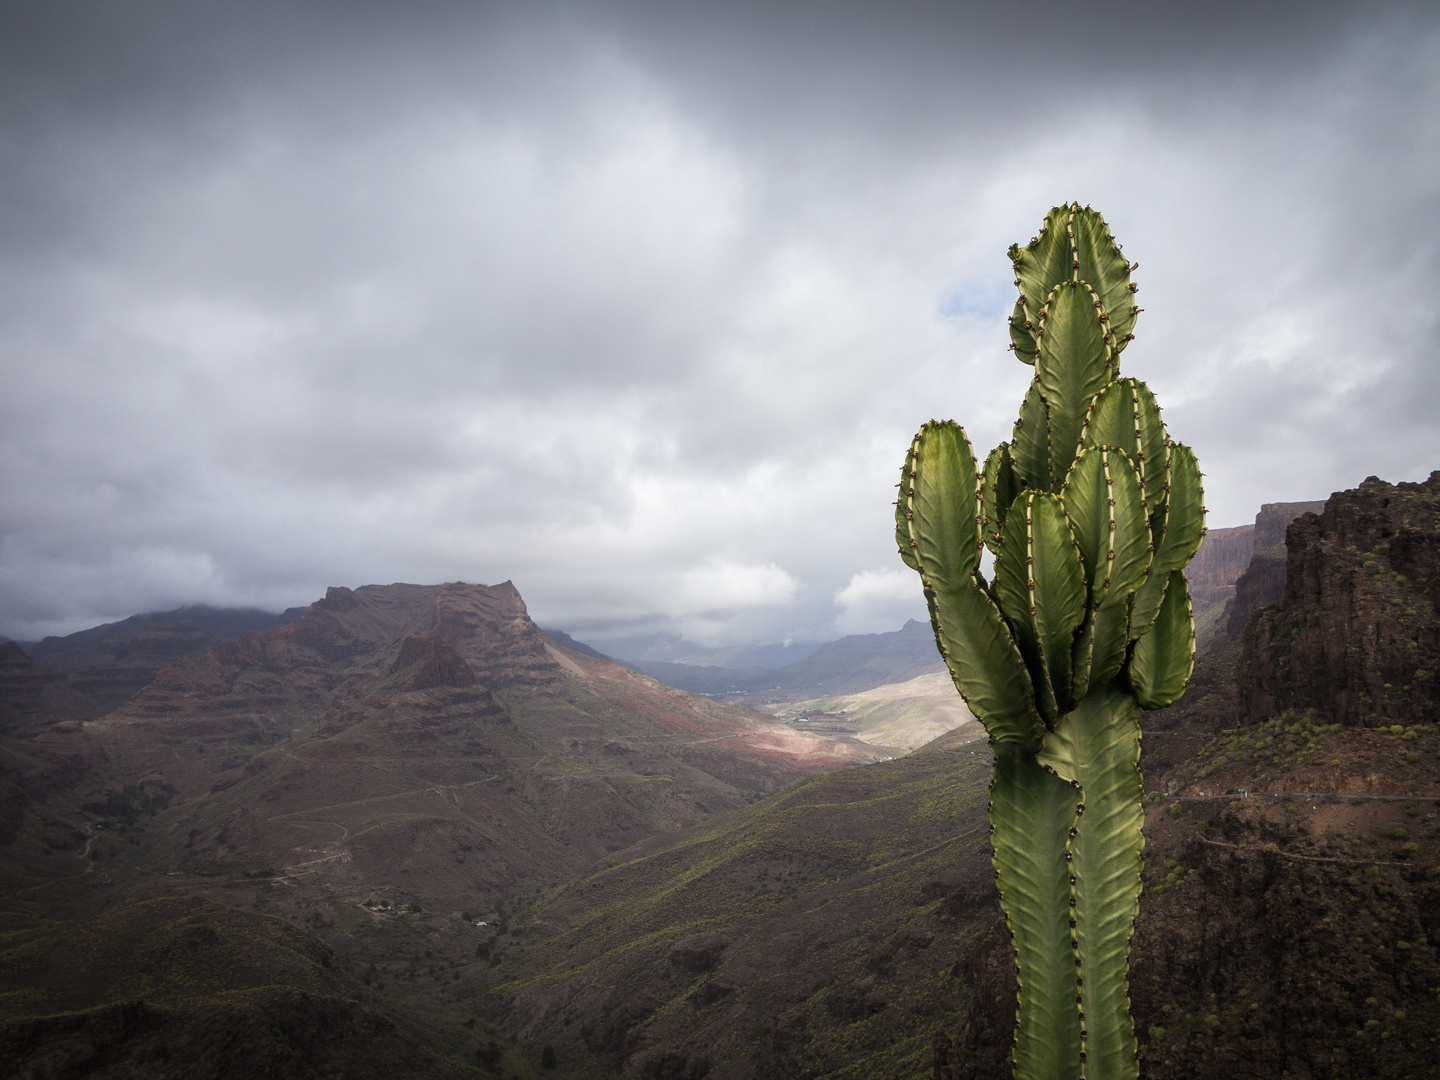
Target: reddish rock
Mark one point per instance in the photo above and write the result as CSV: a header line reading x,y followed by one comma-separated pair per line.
x,y
431,662
1223,556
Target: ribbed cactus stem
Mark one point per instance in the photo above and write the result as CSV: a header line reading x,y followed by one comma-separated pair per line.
x,y
1091,513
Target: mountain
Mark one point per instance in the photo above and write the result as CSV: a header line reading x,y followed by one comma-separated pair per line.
x,y
562,638
31,700
673,649
431,742
1356,639
847,666
1223,556
378,773
110,663
848,927
1225,567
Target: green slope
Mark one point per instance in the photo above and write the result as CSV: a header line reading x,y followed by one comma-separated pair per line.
x,y
814,934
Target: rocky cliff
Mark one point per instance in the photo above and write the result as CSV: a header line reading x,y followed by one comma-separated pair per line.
x,y
1223,556
1262,580
1356,637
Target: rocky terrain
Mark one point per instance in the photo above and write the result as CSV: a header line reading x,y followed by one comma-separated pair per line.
x,y
1223,556
431,740
1356,639
1240,560
395,761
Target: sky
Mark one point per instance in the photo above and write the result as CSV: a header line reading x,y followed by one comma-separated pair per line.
x,y
638,304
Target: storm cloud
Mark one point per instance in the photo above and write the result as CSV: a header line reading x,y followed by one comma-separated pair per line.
x,y
638,305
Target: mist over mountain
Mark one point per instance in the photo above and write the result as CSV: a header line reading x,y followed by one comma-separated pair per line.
x,y
674,649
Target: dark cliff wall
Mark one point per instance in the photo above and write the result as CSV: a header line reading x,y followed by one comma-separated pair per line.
x,y
1263,581
1357,638
1275,518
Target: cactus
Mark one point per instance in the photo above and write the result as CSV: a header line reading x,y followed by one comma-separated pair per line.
x,y
1091,514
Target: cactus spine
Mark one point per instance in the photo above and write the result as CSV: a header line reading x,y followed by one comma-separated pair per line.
x,y
1091,513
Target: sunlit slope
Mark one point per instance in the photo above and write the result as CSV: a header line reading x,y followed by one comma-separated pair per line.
x,y
901,716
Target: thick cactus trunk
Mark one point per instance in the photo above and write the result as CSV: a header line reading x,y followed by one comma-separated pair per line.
x,y
1091,513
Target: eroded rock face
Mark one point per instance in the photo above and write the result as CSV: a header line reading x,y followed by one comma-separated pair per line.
x,y
431,662
1357,638
1222,558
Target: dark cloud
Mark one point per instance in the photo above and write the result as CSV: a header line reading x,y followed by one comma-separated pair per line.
x,y
638,304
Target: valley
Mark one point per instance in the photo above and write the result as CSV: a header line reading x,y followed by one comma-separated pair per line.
x,y
408,833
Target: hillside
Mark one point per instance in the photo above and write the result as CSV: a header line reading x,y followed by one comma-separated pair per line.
x,y
814,934
900,716
425,740
177,989
32,699
111,662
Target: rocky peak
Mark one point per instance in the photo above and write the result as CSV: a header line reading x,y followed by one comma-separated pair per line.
x,y
1275,518
489,626
1357,638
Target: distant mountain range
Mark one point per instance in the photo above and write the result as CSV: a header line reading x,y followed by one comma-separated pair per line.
x,y
97,670
109,663
674,649
847,666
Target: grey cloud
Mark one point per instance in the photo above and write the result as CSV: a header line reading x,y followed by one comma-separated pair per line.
x,y
638,304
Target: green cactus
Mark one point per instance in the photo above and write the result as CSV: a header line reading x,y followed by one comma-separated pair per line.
x,y
1091,514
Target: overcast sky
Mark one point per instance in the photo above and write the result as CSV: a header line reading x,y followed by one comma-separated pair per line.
x,y
637,305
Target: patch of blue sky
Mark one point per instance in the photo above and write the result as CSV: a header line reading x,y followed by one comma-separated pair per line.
x,y
982,302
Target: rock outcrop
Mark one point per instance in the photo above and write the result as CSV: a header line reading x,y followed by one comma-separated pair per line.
x,y
1262,577
1357,638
